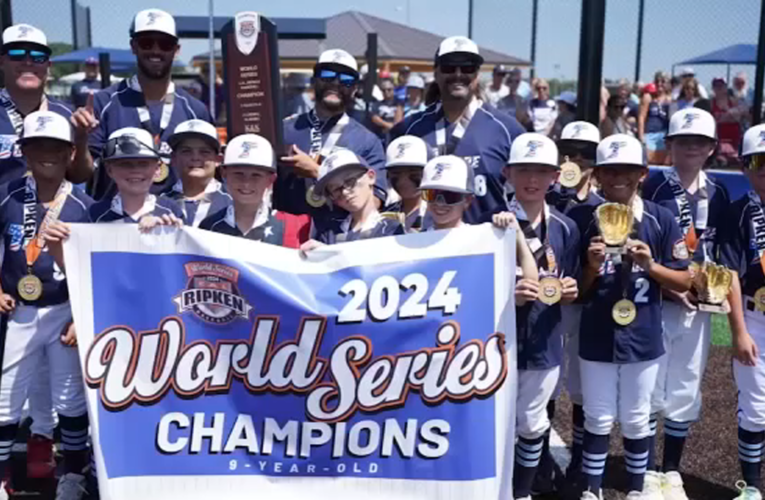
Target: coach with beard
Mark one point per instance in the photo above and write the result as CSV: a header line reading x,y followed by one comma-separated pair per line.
x,y
312,136
149,100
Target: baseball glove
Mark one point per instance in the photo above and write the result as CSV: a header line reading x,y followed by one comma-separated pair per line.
x,y
712,283
615,222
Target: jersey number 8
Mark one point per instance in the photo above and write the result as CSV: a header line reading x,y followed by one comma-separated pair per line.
x,y
480,185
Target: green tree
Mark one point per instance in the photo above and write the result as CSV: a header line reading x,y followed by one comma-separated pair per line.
x,y
59,70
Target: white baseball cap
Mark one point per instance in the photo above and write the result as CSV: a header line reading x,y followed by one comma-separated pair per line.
x,y
580,131
406,151
340,160
338,57
46,125
621,149
416,81
568,97
455,45
754,141
153,20
687,71
135,143
24,33
692,121
195,128
448,173
535,149
249,150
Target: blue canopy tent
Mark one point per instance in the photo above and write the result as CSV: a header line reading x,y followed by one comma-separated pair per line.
x,y
741,53
121,60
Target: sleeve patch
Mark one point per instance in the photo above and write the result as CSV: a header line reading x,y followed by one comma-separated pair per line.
x,y
680,250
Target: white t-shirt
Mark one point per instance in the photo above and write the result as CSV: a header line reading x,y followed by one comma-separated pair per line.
x,y
543,114
494,96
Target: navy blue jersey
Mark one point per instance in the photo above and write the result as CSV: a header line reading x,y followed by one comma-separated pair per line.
x,y
601,339
214,200
269,226
117,106
14,258
110,210
82,89
290,190
565,199
12,164
709,202
485,146
739,242
539,326
375,227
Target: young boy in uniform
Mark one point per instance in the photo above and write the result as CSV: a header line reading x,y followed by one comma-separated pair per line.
x,y
698,204
33,292
347,181
620,335
405,159
196,154
743,251
132,163
553,240
249,171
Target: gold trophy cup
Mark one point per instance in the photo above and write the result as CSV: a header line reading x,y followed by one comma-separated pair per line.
x,y
615,223
712,283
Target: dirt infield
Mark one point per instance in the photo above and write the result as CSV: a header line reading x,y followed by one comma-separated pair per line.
x,y
710,462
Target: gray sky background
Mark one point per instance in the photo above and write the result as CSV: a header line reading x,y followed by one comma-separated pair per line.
x,y
674,29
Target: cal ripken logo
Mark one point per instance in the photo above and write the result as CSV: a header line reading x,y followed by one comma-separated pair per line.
x,y
247,28
212,293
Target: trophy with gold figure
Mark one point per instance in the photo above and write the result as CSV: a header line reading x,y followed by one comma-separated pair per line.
x,y
712,283
615,222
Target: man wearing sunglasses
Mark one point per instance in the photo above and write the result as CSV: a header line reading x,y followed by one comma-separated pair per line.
x,y
313,136
460,124
148,100
25,64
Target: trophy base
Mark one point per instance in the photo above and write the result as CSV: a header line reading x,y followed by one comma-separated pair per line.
x,y
616,250
712,308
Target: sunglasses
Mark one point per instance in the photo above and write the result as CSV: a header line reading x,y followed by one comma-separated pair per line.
x,y
348,185
345,79
465,69
755,162
126,145
692,141
440,197
396,177
586,151
19,55
165,44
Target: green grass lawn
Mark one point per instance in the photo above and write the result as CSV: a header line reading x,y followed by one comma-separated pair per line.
x,y
720,330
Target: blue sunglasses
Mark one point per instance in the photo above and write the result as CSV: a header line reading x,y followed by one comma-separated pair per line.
x,y
329,75
37,56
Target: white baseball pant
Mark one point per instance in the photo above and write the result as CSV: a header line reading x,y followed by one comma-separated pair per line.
x,y
39,404
620,391
750,380
33,332
687,336
535,388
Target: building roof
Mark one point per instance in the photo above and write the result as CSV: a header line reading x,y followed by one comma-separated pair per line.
x,y
395,41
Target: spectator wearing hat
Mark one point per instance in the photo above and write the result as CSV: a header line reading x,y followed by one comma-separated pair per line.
x,y
686,74
88,85
148,100
383,114
615,122
542,110
415,99
313,136
404,73
459,123
653,118
497,89
729,115
566,102
25,63
249,169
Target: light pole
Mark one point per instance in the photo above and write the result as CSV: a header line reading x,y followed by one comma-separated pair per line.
x,y
212,73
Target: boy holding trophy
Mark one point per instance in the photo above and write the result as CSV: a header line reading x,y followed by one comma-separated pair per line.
x,y
698,204
631,249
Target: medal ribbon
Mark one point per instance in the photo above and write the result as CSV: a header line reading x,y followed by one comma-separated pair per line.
x,y
757,216
145,117
686,219
544,255
33,240
322,149
459,128
14,115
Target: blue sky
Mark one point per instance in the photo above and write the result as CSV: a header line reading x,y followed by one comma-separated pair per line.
x,y
674,29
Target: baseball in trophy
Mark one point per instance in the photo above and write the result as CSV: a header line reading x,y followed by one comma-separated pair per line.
x,y
712,283
615,223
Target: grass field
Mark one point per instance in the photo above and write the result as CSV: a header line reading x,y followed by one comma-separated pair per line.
x,y
720,330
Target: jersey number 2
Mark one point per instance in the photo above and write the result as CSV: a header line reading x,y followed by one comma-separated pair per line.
x,y
641,296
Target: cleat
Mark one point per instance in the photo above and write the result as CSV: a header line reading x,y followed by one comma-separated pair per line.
x,y
71,486
40,461
635,495
653,486
747,492
673,487
588,495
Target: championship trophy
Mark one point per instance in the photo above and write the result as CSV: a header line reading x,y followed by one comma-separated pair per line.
x,y
570,174
615,223
251,76
712,283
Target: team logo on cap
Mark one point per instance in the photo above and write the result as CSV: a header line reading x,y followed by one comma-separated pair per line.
x,y
533,146
42,122
212,294
689,118
24,31
615,147
191,125
578,129
762,139
402,148
247,29
153,16
440,168
246,147
460,43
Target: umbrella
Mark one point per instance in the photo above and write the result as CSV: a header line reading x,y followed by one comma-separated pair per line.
x,y
119,59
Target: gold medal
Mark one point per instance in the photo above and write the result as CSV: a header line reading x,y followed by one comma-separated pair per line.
x,y
162,173
30,288
759,299
550,290
570,174
314,200
624,312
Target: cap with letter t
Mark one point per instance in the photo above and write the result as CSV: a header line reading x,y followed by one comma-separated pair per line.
x,y
46,125
407,151
153,20
533,149
338,57
694,122
250,150
621,150
24,34
448,173
195,128
458,47
341,160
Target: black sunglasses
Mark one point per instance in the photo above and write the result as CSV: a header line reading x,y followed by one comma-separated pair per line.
x,y
19,55
586,151
465,69
396,177
165,44
125,145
